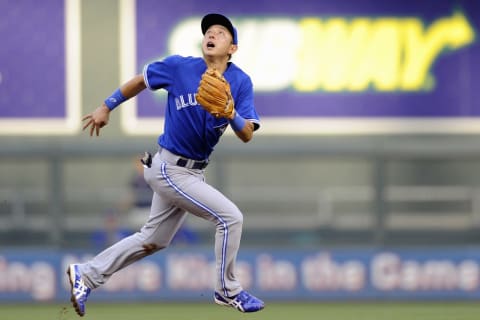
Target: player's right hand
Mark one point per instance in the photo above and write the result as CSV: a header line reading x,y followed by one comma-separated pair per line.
x,y
97,119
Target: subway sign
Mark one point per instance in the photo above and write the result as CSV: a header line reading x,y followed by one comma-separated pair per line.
x,y
333,54
399,67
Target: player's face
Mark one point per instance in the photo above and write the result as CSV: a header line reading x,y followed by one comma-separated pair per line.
x,y
218,42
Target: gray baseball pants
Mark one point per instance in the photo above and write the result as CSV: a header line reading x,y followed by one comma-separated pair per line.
x,y
177,190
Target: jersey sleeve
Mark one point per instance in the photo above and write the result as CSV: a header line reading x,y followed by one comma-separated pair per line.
x,y
159,74
244,104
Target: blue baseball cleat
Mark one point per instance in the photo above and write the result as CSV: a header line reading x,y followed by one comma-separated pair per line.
x,y
243,302
79,290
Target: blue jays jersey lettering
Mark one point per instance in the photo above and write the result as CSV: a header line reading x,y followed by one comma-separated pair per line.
x,y
189,130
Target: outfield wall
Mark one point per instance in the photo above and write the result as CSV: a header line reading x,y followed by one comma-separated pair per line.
x,y
180,274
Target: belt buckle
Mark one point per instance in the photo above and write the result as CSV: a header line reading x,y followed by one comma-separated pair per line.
x,y
191,164
182,162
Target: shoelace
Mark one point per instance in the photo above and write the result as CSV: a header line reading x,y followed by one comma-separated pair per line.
x,y
80,289
245,297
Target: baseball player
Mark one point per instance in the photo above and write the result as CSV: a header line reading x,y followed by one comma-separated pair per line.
x,y
176,172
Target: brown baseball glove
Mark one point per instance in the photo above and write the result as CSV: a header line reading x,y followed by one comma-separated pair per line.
x,y
214,95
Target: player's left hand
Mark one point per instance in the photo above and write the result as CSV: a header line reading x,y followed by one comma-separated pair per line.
x,y
214,95
97,119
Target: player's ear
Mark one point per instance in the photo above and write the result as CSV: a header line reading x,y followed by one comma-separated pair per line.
x,y
233,49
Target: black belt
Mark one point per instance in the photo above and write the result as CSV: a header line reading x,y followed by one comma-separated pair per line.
x,y
182,162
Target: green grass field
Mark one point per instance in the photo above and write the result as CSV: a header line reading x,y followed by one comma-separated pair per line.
x,y
273,311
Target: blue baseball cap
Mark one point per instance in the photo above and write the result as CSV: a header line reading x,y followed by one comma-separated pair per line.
x,y
215,18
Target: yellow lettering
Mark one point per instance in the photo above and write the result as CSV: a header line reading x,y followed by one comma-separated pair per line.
x,y
385,54
421,49
377,61
340,49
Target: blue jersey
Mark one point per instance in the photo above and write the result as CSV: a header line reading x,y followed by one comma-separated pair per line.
x,y
189,130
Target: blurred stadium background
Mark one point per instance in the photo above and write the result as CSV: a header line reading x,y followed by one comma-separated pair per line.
x,y
362,185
